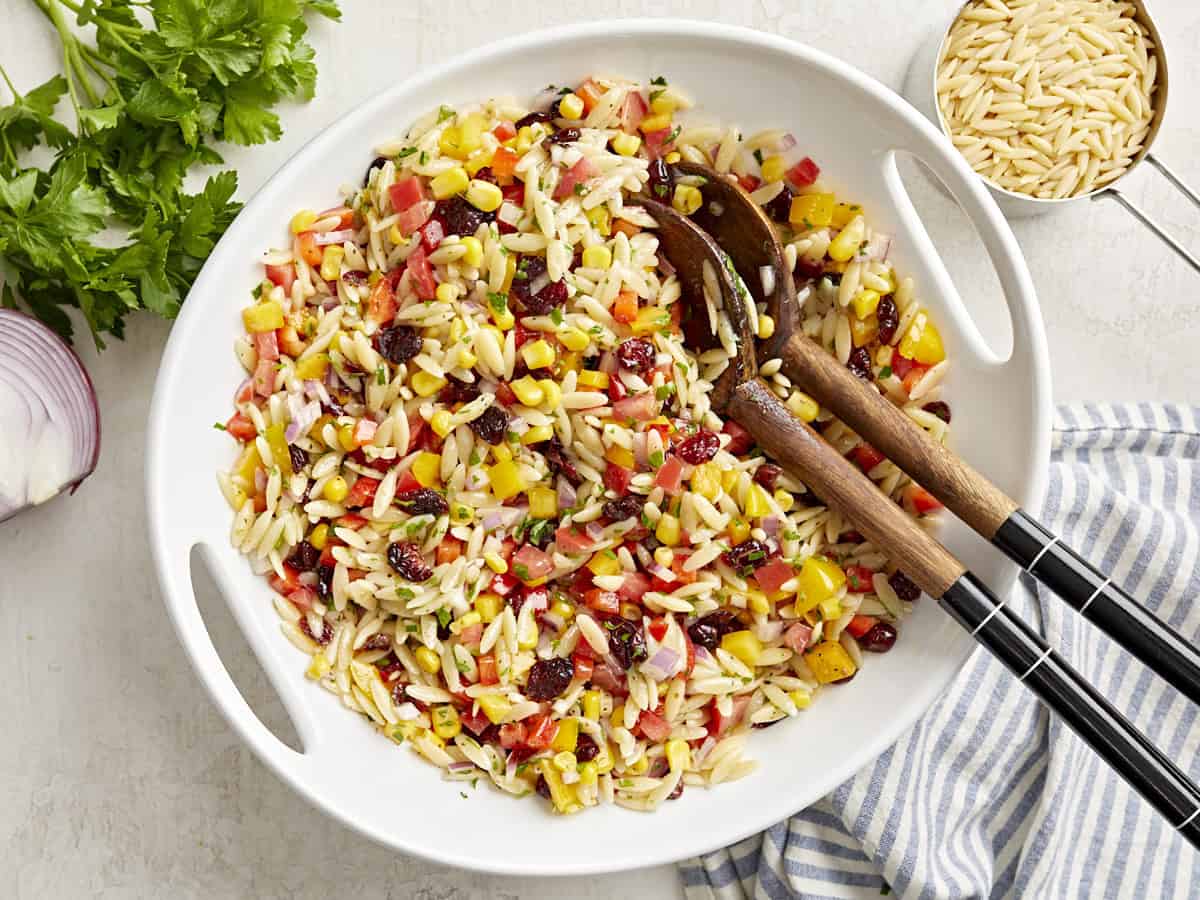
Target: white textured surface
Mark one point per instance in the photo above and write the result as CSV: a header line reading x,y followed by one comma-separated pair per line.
x,y
117,776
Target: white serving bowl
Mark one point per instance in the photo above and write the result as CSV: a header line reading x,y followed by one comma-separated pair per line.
x,y
849,123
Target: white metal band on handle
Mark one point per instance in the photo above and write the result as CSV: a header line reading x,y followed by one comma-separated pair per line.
x,y
1096,593
1038,558
1184,823
1037,662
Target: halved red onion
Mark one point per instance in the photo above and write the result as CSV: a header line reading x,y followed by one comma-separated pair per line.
x,y
566,494
661,665
49,420
594,530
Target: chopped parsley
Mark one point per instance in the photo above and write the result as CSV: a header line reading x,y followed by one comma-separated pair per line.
x,y
659,81
758,157
498,302
219,426
444,113
443,617
579,189
885,372
674,134
556,316
406,151
656,459
381,375
424,158
661,190
257,292
664,392
476,459
521,571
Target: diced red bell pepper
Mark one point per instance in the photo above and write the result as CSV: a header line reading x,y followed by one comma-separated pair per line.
x,y
657,144
411,220
772,576
658,628
421,272
448,550
514,193
602,601
529,563
523,335
572,541
922,501
405,192
512,734
475,722
617,390
740,439
282,275
505,131
352,521
858,579
633,110
288,583
749,182
584,665
503,584
504,162
577,174
633,587
901,365
797,636
914,374
407,482
536,597
541,731
589,92
363,492
654,726
669,476
719,724
416,427
432,233
381,303
617,478
264,377
803,173
867,456
860,625
487,669
302,598
241,428
641,408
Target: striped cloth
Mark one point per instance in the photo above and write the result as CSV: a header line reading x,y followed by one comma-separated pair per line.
x,y
988,795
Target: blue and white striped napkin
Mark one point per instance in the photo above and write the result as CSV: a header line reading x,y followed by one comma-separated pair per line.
x,y
988,795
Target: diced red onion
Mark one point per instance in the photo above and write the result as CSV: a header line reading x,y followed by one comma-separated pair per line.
x,y
510,767
787,142
302,420
518,426
770,524
510,213
260,480
566,494
767,275
594,530
330,303
459,767
536,286
878,246
246,383
661,665
702,653
660,572
608,362
639,449
315,390
333,237
492,520
49,420
769,630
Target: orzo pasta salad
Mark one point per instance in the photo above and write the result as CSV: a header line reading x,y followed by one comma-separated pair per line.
x,y
481,473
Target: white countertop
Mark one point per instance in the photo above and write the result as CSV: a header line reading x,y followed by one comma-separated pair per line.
x,y
117,775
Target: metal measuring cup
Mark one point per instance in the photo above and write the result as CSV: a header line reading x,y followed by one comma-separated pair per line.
x,y
920,88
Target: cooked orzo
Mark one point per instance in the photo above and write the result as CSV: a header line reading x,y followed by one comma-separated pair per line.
x,y
479,468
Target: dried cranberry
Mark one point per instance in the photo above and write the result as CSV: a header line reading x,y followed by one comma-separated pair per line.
x,y
460,217
939,409
399,343
376,163
889,319
625,641
860,363
326,634
699,448
707,632
626,507
457,391
767,474
806,270
879,639
529,118
548,678
300,459
747,556
422,502
662,182
377,642
542,788
492,425
304,557
559,463
568,135
586,748
677,792
529,269
904,587
486,174
548,298
405,557
779,208
324,582
636,355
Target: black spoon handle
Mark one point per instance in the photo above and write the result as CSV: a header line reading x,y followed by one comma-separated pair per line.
x,y
1129,752
1097,599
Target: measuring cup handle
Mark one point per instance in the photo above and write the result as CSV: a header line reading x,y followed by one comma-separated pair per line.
x,y
1141,215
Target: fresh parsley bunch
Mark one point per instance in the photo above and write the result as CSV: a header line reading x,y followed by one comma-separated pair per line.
x,y
164,81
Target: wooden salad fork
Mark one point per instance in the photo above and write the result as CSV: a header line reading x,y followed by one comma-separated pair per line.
x,y
743,230
739,394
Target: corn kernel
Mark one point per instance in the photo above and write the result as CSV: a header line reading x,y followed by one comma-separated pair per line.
x,y
803,407
425,384
496,562
784,499
571,106
923,342
829,662
574,339
426,468
474,255
687,199
673,157
263,317
336,489
664,556
757,504
445,720
679,755
843,213
865,303
811,211
495,707
446,292
774,168
664,102
538,355
528,391
466,359
667,530
543,502
318,536
524,139
591,705
451,182
593,378
745,645
565,738
478,161
484,195
843,247
757,602
604,563
589,773
489,605
303,220
313,367
346,438
820,580
739,530
461,514
318,668
551,396
506,480
801,698
651,124
331,262
396,236
766,326
597,256
562,608
564,760
626,144
863,331
442,423
706,480
428,660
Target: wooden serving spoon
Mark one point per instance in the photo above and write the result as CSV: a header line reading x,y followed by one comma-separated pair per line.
x,y
739,394
742,228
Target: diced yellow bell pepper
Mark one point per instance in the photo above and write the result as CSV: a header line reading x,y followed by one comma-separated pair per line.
x,y
588,773
757,602
346,438
446,292
744,645
488,605
279,448
313,367
574,339
820,579
739,530
597,256
601,220
843,213
801,697
506,480
461,514
538,354
651,124
561,607
843,247
591,705
495,707
667,530
604,563
426,468
773,168
562,795
428,660
331,262
551,396
567,735
263,317
757,504
923,342
679,755
478,161
528,391
650,319
442,423
865,303
626,144
446,723
248,464
829,662
617,719
318,667
620,456
466,620
830,608
510,271
302,221
784,499
501,453
593,378
425,384
543,503
811,211
863,331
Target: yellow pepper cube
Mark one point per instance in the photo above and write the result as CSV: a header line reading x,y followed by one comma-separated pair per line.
x,y
478,161
673,157
588,773
336,490
446,723
313,368
543,503
428,660
510,271
784,499
274,436
679,755
863,331
593,378
331,262
774,168
757,602
551,395
450,142
571,106
303,220
650,319
651,124
604,563
528,391
452,181
466,620
346,438
484,195
495,707
801,697
488,605
567,735
626,144
426,468
574,339
601,220
597,256
923,342
667,530
248,464
843,247
757,504
562,795
744,645
537,435
739,530
425,384
617,719
865,303
442,423
820,579
263,317
461,514
706,480
591,705
506,480
318,536
687,199
501,453
620,456
843,213
811,211
466,359
830,608
538,354
318,668
829,662
474,255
